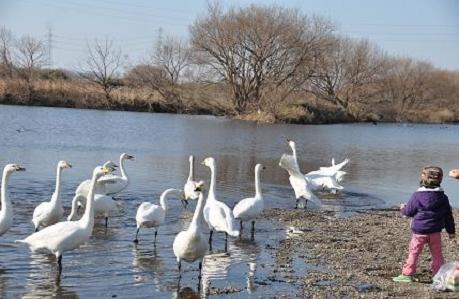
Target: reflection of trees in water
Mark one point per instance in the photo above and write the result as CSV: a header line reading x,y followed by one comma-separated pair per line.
x,y
3,282
44,280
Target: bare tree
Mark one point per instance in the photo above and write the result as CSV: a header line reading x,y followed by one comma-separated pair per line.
x,y
406,84
103,63
6,48
258,48
345,74
30,55
172,57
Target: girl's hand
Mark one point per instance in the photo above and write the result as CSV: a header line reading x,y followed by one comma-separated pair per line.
x,y
402,206
454,173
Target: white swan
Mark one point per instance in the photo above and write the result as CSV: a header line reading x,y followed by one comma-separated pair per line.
x,y
327,177
190,185
103,205
6,212
115,183
67,235
83,187
296,178
48,213
218,215
151,215
250,208
190,245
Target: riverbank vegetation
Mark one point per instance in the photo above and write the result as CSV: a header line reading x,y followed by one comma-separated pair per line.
x,y
262,63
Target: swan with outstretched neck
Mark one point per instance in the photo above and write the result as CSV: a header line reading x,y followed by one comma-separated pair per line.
x,y
217,214
190,185
296,178
68,235
6,212
190,245
114,183
151,215
250,208
48,213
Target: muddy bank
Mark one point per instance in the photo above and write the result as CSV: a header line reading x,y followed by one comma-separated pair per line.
x,y
356,256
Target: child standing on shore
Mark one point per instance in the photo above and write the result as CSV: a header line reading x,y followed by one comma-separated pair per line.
x,y
431,212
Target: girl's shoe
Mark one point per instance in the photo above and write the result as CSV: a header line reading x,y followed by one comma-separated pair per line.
x,y
403,278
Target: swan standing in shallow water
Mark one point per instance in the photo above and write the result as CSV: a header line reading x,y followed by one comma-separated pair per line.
x,y
151,215
114,183
103,205
6,212
327,177
190,245
250,208
48,213
296,178
190,185
218,215
83,187
67,235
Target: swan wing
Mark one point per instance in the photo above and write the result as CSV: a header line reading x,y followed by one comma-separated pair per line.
x,y
113,183
65,235
83,187
41,210
289,163
189,190
248,208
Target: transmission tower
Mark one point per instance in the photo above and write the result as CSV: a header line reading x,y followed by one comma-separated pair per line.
x,y
49,44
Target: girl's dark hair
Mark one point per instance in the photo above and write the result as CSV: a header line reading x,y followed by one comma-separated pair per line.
x,y
431,177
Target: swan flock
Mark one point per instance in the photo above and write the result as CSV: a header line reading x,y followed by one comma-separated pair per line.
x,y
51,235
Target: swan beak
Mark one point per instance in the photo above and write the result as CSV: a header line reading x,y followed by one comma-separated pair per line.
x,y
264,168
69,165
19,168
129,157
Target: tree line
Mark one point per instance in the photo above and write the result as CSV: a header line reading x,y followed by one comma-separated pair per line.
x,y
266,63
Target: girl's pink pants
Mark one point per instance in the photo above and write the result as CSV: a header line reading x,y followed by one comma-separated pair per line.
x,y
416,245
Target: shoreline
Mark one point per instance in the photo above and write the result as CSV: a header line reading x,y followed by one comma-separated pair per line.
x,y
228,117
355,256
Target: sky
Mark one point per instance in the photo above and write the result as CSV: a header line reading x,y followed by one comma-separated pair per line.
x,y
423,29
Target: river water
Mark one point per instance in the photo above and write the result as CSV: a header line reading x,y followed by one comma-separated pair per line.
x,y
384,171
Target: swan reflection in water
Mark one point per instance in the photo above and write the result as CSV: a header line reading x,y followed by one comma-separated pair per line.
x,y
147,264
44,281
186,293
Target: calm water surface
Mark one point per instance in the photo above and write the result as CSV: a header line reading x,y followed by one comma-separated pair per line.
x,y
384,170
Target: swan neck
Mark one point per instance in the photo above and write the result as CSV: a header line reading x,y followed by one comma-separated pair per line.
x,y
4,200
257,182
191,174
88,217
196,222
75,200
58,185
123,172
163,198
213,181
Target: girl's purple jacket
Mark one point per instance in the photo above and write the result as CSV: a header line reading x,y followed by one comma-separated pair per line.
x,y
431,212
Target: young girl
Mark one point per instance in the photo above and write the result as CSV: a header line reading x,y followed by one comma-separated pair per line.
x,y
429,207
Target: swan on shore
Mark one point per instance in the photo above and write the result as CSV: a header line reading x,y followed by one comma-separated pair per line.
x,y
48,213
103,205
250,208
190,185
327,178
190,245
68,235
217,214
151,215
6,212
297,179
83,187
